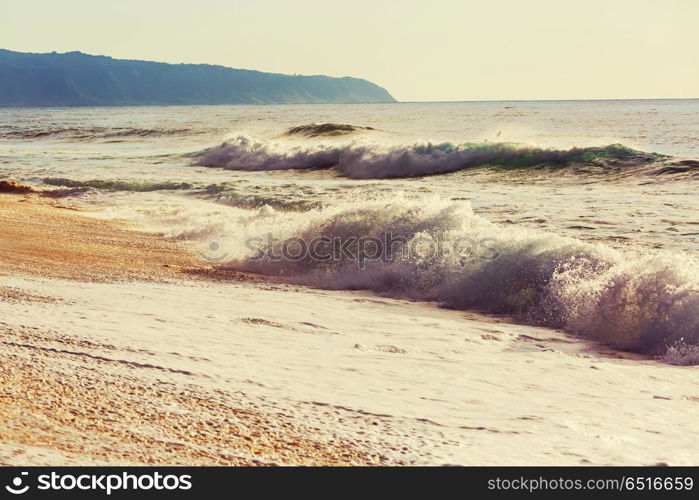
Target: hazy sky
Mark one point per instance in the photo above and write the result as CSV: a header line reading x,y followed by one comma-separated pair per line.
x,y
419,50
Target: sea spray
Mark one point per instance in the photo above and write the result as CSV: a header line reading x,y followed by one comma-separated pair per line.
x,y
365,160
637,301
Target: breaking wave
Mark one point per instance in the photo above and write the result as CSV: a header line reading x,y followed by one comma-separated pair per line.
x,y
246,153
372,161
642,302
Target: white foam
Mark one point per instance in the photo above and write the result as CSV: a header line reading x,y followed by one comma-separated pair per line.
x,y
638,301
361,159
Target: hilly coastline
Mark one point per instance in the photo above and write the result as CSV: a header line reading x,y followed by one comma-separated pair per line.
x,y
78,79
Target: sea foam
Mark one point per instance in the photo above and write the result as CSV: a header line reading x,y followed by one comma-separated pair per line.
x,y
640,301
360,159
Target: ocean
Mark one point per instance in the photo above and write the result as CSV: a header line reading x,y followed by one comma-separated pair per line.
x,y
576,215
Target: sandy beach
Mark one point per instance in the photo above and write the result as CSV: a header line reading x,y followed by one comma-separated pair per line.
x,y
121,347
67,400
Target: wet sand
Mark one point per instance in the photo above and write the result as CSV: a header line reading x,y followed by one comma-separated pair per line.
x,y
42,237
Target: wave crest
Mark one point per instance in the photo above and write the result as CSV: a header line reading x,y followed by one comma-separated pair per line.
x,y
246,153
372,161
640,302
325,130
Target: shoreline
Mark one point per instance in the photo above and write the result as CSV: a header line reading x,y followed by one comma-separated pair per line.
x,y
59,412
41,237
44,238
118,347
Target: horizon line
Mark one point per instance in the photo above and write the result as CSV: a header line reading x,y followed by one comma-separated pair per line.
x,y
359,103
451,101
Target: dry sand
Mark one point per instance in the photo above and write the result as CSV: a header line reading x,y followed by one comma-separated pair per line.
x,y
119,347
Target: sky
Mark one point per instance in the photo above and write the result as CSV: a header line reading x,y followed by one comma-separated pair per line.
x,y
436,50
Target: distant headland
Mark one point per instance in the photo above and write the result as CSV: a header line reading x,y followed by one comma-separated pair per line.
x,y
78,79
